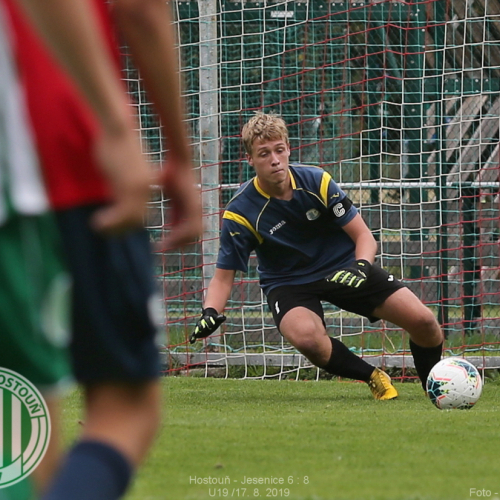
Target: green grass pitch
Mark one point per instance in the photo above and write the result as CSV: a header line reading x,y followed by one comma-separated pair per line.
x,y
310,440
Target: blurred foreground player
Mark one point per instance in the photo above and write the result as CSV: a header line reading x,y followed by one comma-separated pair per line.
x,y
100,215
312,245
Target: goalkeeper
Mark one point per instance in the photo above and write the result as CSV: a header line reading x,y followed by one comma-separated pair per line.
x,y
312,245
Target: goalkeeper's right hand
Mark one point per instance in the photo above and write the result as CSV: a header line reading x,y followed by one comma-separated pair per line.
x,y
209,322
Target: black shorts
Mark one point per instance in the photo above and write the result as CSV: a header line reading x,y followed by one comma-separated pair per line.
x,y
113,332
362,301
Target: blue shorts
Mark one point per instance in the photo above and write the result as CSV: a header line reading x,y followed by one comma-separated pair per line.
x,y
362,301
113,329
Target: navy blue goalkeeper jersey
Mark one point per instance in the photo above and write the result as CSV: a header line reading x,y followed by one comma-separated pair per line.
x,y
297,241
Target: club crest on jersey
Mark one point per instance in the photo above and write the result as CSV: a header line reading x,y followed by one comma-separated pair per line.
x,y
276,227
339,210
312,214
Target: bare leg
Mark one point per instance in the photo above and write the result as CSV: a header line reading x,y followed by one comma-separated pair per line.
x,y
405,310
305,331
124,416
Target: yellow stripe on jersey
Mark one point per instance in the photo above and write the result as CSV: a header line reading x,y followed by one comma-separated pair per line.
x,y
239,219
323,189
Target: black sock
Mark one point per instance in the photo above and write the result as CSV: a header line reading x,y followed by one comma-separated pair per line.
x,y
425,358
92,470
345,363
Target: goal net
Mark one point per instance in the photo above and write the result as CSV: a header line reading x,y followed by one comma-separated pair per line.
x,y
400,102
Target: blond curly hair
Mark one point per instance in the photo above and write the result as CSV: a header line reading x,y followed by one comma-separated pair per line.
x,y
264,127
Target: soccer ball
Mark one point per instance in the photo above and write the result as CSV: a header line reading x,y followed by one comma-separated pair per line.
x,y
454,383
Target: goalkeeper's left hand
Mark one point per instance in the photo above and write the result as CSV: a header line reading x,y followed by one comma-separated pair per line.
x,y
354,276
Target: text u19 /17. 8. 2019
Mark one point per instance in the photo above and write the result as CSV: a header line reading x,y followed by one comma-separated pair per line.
x,y
249,492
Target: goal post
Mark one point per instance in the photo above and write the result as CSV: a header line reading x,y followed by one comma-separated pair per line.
x,y
400,102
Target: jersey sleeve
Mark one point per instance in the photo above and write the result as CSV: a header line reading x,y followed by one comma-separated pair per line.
x,y
337,201
236,243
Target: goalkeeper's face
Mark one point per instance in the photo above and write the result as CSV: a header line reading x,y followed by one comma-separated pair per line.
x,y
270,161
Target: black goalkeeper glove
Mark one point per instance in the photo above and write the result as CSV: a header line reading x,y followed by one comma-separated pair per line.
x,y
354,276
209,322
